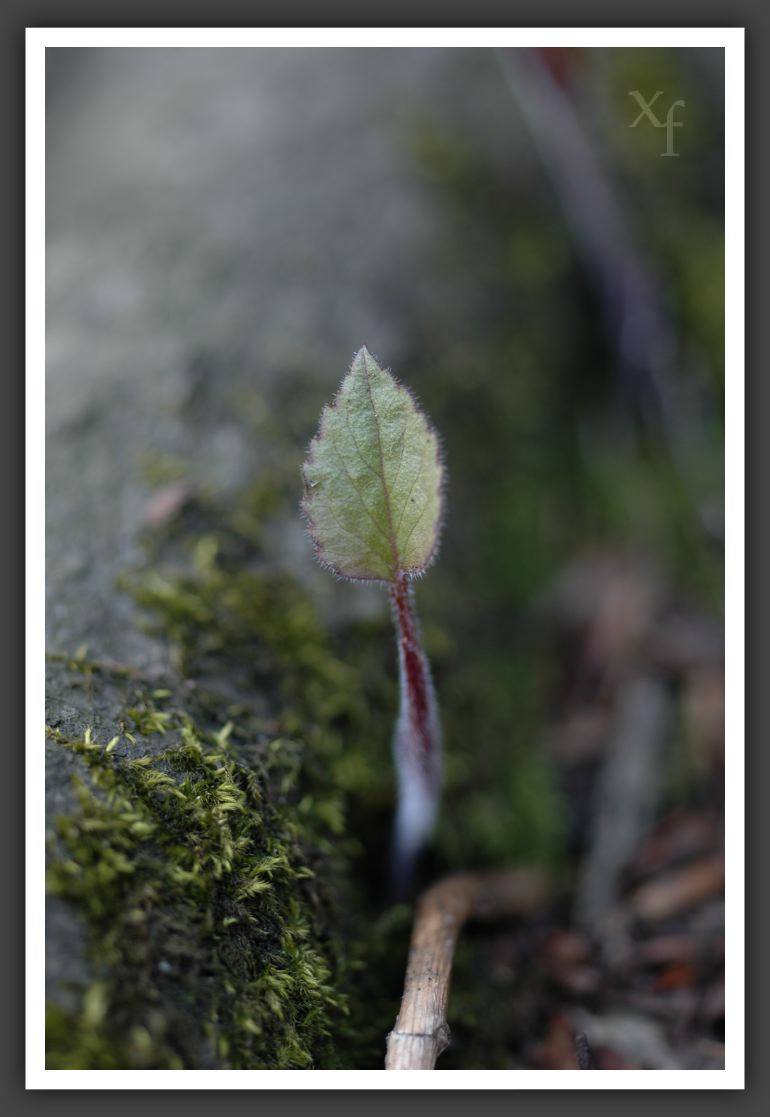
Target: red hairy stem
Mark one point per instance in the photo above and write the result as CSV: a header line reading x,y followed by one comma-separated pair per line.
x,y
417,739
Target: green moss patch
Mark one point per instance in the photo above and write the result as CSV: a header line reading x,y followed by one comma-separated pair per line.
x,y
208,918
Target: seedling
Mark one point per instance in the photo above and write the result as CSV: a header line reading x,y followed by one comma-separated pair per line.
x,y
372,501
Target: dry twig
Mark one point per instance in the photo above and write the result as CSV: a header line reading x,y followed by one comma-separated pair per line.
x,y
421,1032
624,797
585,1058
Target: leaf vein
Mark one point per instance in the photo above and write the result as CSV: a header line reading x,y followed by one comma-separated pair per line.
x,y
386,494
359,495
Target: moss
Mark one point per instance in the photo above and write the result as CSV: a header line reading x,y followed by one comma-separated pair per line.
x,y
210,850
203,902
162,469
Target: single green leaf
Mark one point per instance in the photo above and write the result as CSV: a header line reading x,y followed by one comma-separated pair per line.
x,y
373,479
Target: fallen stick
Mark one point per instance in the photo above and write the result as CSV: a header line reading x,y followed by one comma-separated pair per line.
x,y
421,1032
624,798
583,1053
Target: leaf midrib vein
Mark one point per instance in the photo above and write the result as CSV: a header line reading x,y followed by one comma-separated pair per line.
x,y
388,513
359,494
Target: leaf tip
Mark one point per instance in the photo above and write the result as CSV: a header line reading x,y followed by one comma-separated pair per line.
x,y
362,359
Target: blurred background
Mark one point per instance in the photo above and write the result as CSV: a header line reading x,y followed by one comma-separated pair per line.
x,y
541,259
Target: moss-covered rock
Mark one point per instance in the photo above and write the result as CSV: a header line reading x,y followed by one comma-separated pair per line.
x,y
208,918
206,851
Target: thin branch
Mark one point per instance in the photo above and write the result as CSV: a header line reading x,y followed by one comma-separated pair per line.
x,y
639,329
583,1053
421,1032
625,796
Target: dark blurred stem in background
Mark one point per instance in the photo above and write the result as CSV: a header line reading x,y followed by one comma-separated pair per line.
x,y
639,331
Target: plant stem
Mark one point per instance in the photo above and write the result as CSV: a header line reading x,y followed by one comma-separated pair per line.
x,y
421,1031
416,742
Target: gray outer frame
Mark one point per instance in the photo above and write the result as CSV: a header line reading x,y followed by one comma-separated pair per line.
x,y
395,13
